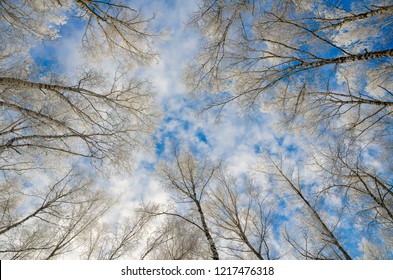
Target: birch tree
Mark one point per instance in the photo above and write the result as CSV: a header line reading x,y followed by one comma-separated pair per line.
x,y
243,216
372,187
175,239
49,221
88,114
324,69
53,121
213,212
89,119
366,188
111,27
316,235
320,63
112,241
189,179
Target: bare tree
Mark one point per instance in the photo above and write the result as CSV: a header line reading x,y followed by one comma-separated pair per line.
x,y
174,240
188,179
344,169
79,121
324,68
319,62
116,28
111,27
233,216
318,238
84,115
366,190
25,23
111,241
51,120
243,216
45,222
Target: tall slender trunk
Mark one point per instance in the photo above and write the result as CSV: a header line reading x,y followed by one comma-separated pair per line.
x,y
325,228
213,248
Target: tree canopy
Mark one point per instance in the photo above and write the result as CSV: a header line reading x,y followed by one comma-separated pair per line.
x,y
110,146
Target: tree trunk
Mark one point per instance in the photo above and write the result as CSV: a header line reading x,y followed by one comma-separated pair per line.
x,y
213,248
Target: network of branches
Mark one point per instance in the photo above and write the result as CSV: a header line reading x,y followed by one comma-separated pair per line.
x,y
322,71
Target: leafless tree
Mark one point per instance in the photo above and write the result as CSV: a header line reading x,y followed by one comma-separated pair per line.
x,y
84,115
174,240
366,190
319,62
345,169
233,216
243,216
45,222
111,241
51,120
78,121
116,28
316,236
323,68
111,27
188,179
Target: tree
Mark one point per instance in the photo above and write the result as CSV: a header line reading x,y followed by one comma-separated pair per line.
x,y
78,121
210,209
86,115
66,218
111,27
53,124
174,240
344,168
118,29
243,217
322,69
322,64
111,241
189,180
319,234
48,221
367,191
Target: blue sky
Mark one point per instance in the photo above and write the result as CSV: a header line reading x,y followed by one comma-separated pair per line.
x,y
238,139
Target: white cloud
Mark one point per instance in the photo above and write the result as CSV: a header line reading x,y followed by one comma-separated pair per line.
x,y
237,139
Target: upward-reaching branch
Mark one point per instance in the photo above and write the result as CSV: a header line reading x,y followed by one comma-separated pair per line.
x,y
279,54
189,180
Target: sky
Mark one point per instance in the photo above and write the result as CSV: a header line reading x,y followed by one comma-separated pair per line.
x,y
236,138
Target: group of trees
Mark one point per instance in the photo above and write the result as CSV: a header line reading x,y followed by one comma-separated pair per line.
x,y
335,209
323,69
55,125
